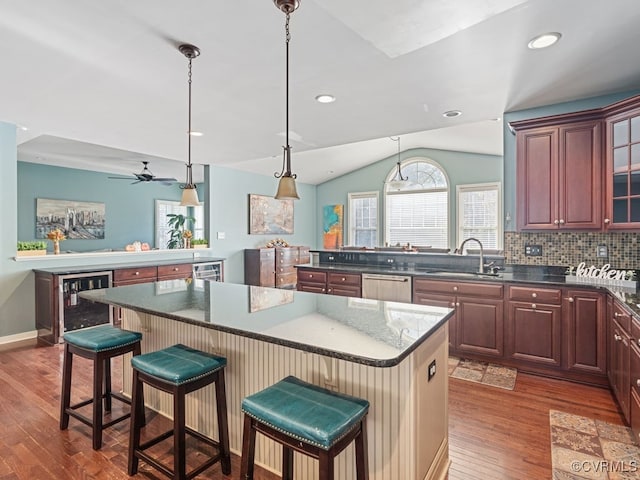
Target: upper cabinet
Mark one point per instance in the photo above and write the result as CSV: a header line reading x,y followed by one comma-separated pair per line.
x,y
559,171
623,167
581,170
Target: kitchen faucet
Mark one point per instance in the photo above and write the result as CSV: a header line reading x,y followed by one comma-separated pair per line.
x,y
461,249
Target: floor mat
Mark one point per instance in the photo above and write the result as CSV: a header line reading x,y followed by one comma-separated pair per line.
x,y
583,448
483,372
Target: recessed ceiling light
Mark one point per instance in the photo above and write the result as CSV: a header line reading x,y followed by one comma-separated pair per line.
x,y
452,113
543,41
497,119
330,172
22,127
196,134
325,98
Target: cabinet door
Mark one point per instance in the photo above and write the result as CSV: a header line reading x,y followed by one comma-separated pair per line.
x,y
440,301
634,407
622,192
620,358
585,333
480,326
580,170
533,333
537,178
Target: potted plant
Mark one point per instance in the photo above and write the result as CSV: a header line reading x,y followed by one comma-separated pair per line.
x,y
31,249
177,226
199,243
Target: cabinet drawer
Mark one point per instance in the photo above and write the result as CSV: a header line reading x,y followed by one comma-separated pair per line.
x,y
304,256
551,296
128,274
287,261
344,290
336,279
267,253
311,287
180,270
285,269
286,279
622,317
470,289
312,276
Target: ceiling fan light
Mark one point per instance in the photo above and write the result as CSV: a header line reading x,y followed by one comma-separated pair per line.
x,y
287,188
189,197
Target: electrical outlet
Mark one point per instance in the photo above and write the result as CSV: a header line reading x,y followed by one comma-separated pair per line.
x,y
533,250
431,371
602,251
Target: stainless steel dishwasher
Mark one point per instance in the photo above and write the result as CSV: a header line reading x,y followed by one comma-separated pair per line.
x,y
394,288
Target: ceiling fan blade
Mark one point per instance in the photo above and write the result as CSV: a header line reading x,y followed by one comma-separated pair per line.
x,y
121,178
157,179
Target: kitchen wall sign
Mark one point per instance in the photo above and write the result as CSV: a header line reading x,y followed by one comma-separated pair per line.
x,y
601,275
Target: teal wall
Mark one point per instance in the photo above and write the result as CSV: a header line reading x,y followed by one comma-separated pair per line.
x,y
460,167
510,140
129,209
229,212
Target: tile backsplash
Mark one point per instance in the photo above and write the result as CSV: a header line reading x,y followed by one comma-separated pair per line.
x,y
571,248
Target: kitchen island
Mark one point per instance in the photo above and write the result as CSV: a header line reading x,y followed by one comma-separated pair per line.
x,y
392,354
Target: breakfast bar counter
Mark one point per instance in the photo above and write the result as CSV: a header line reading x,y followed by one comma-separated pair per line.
x,y
392,354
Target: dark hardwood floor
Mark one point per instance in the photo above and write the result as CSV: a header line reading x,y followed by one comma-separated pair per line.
x,y
494,434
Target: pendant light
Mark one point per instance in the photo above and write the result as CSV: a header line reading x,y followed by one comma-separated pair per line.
x,y
287,183
189,193
398,180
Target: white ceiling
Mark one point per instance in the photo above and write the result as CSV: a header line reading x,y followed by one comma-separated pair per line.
x,y
103,79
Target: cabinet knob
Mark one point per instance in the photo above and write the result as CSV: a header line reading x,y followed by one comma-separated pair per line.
x,y
561,222
323,290
556,222
617,337
638,383
311,275
453,304
534,295
343,279
533,305
457,304
282,269
455,289
137,273
616,314
175,269
328,290
607,221
570,299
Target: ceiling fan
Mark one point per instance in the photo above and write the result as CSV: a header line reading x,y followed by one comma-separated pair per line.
x,y
146,176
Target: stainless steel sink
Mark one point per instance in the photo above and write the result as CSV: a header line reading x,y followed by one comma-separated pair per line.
x,y
465,274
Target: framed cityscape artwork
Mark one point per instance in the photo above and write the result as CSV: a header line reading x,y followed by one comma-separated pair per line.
x,y
76,219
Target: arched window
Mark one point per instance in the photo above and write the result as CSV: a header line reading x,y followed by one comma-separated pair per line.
x,y
417,211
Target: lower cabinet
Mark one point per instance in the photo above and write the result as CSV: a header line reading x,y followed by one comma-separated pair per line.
x,y
585,331
634,401
441,301
333,283
533,333
620,375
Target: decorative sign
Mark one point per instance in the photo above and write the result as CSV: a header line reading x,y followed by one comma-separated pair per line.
x,y
604,275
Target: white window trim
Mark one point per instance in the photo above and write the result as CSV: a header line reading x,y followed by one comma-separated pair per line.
x,y
470,187
392,174
353,195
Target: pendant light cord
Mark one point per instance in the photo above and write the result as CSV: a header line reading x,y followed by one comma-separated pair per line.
x,y
286,159
189,175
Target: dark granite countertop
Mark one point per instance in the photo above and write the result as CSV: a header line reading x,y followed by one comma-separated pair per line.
x,y
369,332
543,276
69,270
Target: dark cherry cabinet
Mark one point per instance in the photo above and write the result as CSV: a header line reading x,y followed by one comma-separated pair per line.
x,y
634,400
619,370
559,174
534,325
333,283
585,331
478,326
273,267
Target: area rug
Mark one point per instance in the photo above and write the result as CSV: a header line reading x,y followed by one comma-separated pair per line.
x,y
583,448
482,372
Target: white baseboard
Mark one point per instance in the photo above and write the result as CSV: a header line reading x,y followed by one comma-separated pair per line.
x,y
18,337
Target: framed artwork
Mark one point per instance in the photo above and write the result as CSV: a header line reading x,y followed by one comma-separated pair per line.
x,y
270,216
77,219
333,226
261,298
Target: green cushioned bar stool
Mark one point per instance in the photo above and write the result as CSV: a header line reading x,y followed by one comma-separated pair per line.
x,y
307,419
99,344
178,370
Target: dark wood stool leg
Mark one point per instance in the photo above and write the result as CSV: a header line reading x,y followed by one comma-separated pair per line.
x,y
107,384
179,435
141,415
248,449
65,397
223,425
287,463
362,453
135,423
98,378
326,465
